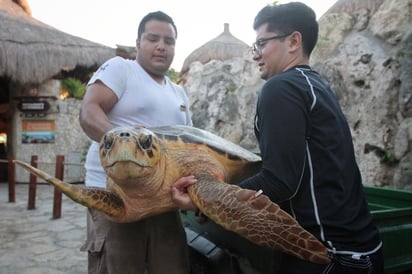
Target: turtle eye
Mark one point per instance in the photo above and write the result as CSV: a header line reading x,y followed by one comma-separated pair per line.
x,y
107,142
146,141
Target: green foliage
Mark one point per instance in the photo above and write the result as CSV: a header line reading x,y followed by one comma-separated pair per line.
x,y
322,40
74,87
406,51
231,88
403,54
385,155
85,150
173,75
388,158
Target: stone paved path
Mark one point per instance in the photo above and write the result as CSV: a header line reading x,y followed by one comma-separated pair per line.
x,y
32,242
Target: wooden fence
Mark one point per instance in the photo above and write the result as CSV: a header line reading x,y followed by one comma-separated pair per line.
x,y
57,196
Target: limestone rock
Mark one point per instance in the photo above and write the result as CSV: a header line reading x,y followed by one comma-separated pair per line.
x,y
365,52
369,66
223,96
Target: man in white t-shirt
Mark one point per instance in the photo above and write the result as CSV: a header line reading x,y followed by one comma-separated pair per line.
x,y
135,92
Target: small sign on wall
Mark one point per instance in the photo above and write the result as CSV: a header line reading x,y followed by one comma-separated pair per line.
x,y
38,132
33,106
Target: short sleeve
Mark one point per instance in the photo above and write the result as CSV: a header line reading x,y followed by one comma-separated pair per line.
x,y
113,73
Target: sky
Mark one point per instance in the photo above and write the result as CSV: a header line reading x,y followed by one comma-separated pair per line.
x,y
114,23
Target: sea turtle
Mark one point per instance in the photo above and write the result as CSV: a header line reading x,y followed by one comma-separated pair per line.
x,y
142,164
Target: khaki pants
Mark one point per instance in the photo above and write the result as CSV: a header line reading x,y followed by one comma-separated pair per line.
x,y
156,245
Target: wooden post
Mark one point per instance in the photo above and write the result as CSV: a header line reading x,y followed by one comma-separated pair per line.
x,y
57,199
12,179
32,185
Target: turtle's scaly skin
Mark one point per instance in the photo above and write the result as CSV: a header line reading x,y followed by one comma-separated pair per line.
x,y
258,220
142,165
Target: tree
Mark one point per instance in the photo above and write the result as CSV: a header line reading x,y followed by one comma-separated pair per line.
x,y
173,75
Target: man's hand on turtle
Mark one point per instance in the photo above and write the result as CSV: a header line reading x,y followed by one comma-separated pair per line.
x,y
179,193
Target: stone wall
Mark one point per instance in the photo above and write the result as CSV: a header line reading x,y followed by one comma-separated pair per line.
x,y
69,139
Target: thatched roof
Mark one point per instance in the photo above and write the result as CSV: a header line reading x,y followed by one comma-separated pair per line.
x,y
223,47
126,52
32,52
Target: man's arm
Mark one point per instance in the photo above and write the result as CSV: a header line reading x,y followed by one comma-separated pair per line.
x,y
97,102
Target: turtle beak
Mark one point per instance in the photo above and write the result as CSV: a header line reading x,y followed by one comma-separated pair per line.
x,y
128,153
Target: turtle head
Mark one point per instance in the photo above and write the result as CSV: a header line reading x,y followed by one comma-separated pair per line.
x,y
130,153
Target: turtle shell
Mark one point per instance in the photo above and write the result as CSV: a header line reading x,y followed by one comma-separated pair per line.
x,y
187,134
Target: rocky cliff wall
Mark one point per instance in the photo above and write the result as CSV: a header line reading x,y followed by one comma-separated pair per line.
x,y
365,52
223,98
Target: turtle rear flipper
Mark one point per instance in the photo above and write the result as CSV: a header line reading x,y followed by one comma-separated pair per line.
x,y
100,199
257,219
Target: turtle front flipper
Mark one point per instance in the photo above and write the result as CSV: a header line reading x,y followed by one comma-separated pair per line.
x,y
100,199
257,219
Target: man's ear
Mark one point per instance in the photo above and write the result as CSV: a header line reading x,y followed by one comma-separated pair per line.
x,y
295,41
138,43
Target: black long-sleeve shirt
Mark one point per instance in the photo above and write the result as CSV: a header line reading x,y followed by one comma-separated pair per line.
x,y
309,166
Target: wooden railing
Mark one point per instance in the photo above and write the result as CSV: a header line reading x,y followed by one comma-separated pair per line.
x,y
11,171
57,196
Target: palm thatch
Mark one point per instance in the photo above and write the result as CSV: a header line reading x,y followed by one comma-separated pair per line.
x,y
126,52
32,52
223,47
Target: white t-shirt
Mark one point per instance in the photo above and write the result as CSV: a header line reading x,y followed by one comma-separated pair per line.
x,y
141,101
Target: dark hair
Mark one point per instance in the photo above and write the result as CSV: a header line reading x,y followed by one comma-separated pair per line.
x,y
286,18
157,15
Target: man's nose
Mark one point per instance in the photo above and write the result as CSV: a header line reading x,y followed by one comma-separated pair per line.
x,y
161,45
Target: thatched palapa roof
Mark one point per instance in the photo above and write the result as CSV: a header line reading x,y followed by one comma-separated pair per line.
x,y
223,47
32,52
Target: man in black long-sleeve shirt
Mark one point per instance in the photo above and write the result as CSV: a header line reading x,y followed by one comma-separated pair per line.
x,y
308,161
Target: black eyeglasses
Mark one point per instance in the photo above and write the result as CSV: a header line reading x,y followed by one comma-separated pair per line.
x,y
258,45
